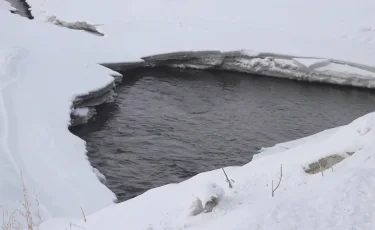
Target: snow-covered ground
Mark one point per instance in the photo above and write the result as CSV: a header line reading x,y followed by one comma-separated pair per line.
x,y
272,27
338,29
39,78
43,68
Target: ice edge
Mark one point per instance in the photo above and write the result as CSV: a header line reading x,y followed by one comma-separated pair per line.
x,y
262,63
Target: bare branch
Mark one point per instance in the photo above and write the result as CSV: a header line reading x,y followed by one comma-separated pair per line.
x,y
38,207
277,186
26,206
228,180
71,224
9,220
84,216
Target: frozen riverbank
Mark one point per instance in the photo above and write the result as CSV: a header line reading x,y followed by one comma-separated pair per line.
x,y
38,88
44,68
311,69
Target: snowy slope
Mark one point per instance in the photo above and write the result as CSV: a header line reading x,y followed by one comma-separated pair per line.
x,y
271,27
338,29
340,198
37,86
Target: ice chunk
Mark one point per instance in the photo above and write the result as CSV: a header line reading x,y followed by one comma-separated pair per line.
x,y
311,63
81,112
100,176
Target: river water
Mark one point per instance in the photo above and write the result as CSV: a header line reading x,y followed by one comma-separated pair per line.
x,y
168,125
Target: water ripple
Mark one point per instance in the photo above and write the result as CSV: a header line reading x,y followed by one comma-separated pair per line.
x,y
169,125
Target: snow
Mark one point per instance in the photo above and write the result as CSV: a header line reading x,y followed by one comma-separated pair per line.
x,y
100,176
37,86
249,53
43,68
83,115
292,144
333,68
287,27
6,5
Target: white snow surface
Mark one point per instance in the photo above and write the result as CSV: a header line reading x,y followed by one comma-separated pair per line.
x,y
341,198
291,27
44,67
39,78
333,68
5,5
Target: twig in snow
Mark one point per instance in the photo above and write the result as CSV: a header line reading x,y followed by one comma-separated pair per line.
x,y
281,176
9,220
38,207
84,216
71,224
26,213
228,180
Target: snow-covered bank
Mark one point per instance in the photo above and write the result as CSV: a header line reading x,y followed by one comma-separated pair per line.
x,y
38,85
268,64
35,139
339,198
44,68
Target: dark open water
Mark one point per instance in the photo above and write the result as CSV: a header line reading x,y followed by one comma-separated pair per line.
x,y
168,125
